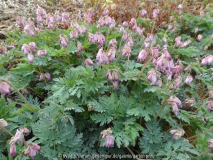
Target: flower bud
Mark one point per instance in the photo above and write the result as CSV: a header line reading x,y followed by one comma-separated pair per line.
x,y
188,80
88,62
12,150
63,41
30,58
3,123
79,47
199,37
4,88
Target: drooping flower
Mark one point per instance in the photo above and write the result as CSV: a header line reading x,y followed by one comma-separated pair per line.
x,y
50,21
88,16
102,57
175,102
211,93
48,76
65,17
26,49
109,76
105,132
133,22
155,13
126,51
180,6
111,54
153,77
125,24
41,14
186,43
109,141
63,41
58,16
30,58
170,27
199,37
20,21
211,143
12,150
178,82
124,37
143,55
88,62
196,30
81,29
178,41
207,60
112,25
210,105
32,46
3,123
164,39
29,30
79,47
143,13
178,68
177,133
41,53
4,88
190,102
113,43
31,149
188,80
113,77
74,34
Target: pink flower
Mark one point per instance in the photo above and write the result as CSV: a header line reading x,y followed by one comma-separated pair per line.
x,y
3,50
25,130
155,13
109,141
210,93
199,37
142,55
63,41
32,46
180,6
102,57
113,43
4,88
18,137
3,123
153,77
175,102
111,54
170,27
12,150
65,17
211,143
178,41
126,51
105,12
74,34
210,105
143,13
88,16
48,76
41,53
79,47
20,22
109,76
133,22
178,82
107,21
112,25
186,43
88,62
164,39
81,29
58,17
41,14
188,80
31,150
50,21
178,68
29,30
125,24
196,30
26,49
30,58
177,133
124,37
207,60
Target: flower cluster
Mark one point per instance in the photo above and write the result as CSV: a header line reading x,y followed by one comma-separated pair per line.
x,y
177,133
109,139
175,102
154,77
97,38
29,48
207,60
113,77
